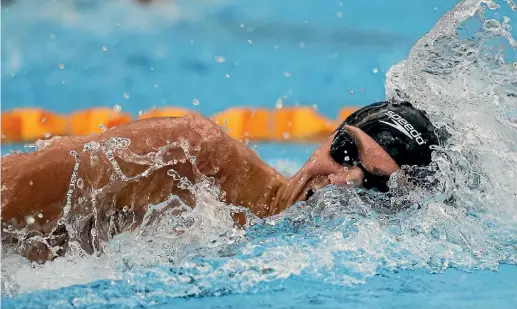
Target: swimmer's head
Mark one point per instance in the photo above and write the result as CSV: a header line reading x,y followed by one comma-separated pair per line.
x,y
369,146
404,132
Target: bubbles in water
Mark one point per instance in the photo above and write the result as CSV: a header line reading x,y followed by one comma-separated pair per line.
x,y
195,102
126,95
61,66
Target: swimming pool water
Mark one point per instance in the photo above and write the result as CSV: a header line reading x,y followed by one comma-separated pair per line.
x,y
329,53
303,53
406,289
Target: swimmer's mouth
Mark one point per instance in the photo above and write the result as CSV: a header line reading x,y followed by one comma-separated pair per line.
x,y
310,193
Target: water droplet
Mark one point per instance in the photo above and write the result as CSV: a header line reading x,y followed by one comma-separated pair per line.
x,y
362,89
63,82
241,25
227,75
492,5
117,108
61,66
351,91
250,42
279,103
287,74
117,23
151,68
102,126
220,59
43,119
140,112
47,135
375,70
104,48
31,183
339,14
286,135
492,25
315,106
30,220
347,158
93,231
80,183
195,102
40,215
126,95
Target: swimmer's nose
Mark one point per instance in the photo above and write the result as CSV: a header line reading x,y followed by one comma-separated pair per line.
x,y
351,177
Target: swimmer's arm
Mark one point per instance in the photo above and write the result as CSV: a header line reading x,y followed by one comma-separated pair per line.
x,y
36,184
37,181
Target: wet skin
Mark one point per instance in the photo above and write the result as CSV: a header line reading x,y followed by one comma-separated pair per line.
x,y
35,185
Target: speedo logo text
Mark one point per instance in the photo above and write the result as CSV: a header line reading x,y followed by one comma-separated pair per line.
x,y
403,126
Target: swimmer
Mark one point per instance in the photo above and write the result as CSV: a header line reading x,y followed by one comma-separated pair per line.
x,y
370,145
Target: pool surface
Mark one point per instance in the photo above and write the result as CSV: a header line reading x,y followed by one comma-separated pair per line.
x,y
65,56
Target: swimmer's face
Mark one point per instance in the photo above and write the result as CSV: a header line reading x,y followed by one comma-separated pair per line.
x,y
322,170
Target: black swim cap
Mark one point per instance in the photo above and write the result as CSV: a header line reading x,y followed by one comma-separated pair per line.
x,y
403,131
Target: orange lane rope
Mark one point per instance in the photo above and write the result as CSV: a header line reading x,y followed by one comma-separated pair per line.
x,y
289,124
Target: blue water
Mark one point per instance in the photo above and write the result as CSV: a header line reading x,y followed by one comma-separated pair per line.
x,y
408,289
305,52
340,54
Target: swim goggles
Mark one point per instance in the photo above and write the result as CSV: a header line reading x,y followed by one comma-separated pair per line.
x,y
345,151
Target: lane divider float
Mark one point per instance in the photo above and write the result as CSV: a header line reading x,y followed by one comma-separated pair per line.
x,y
289,124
